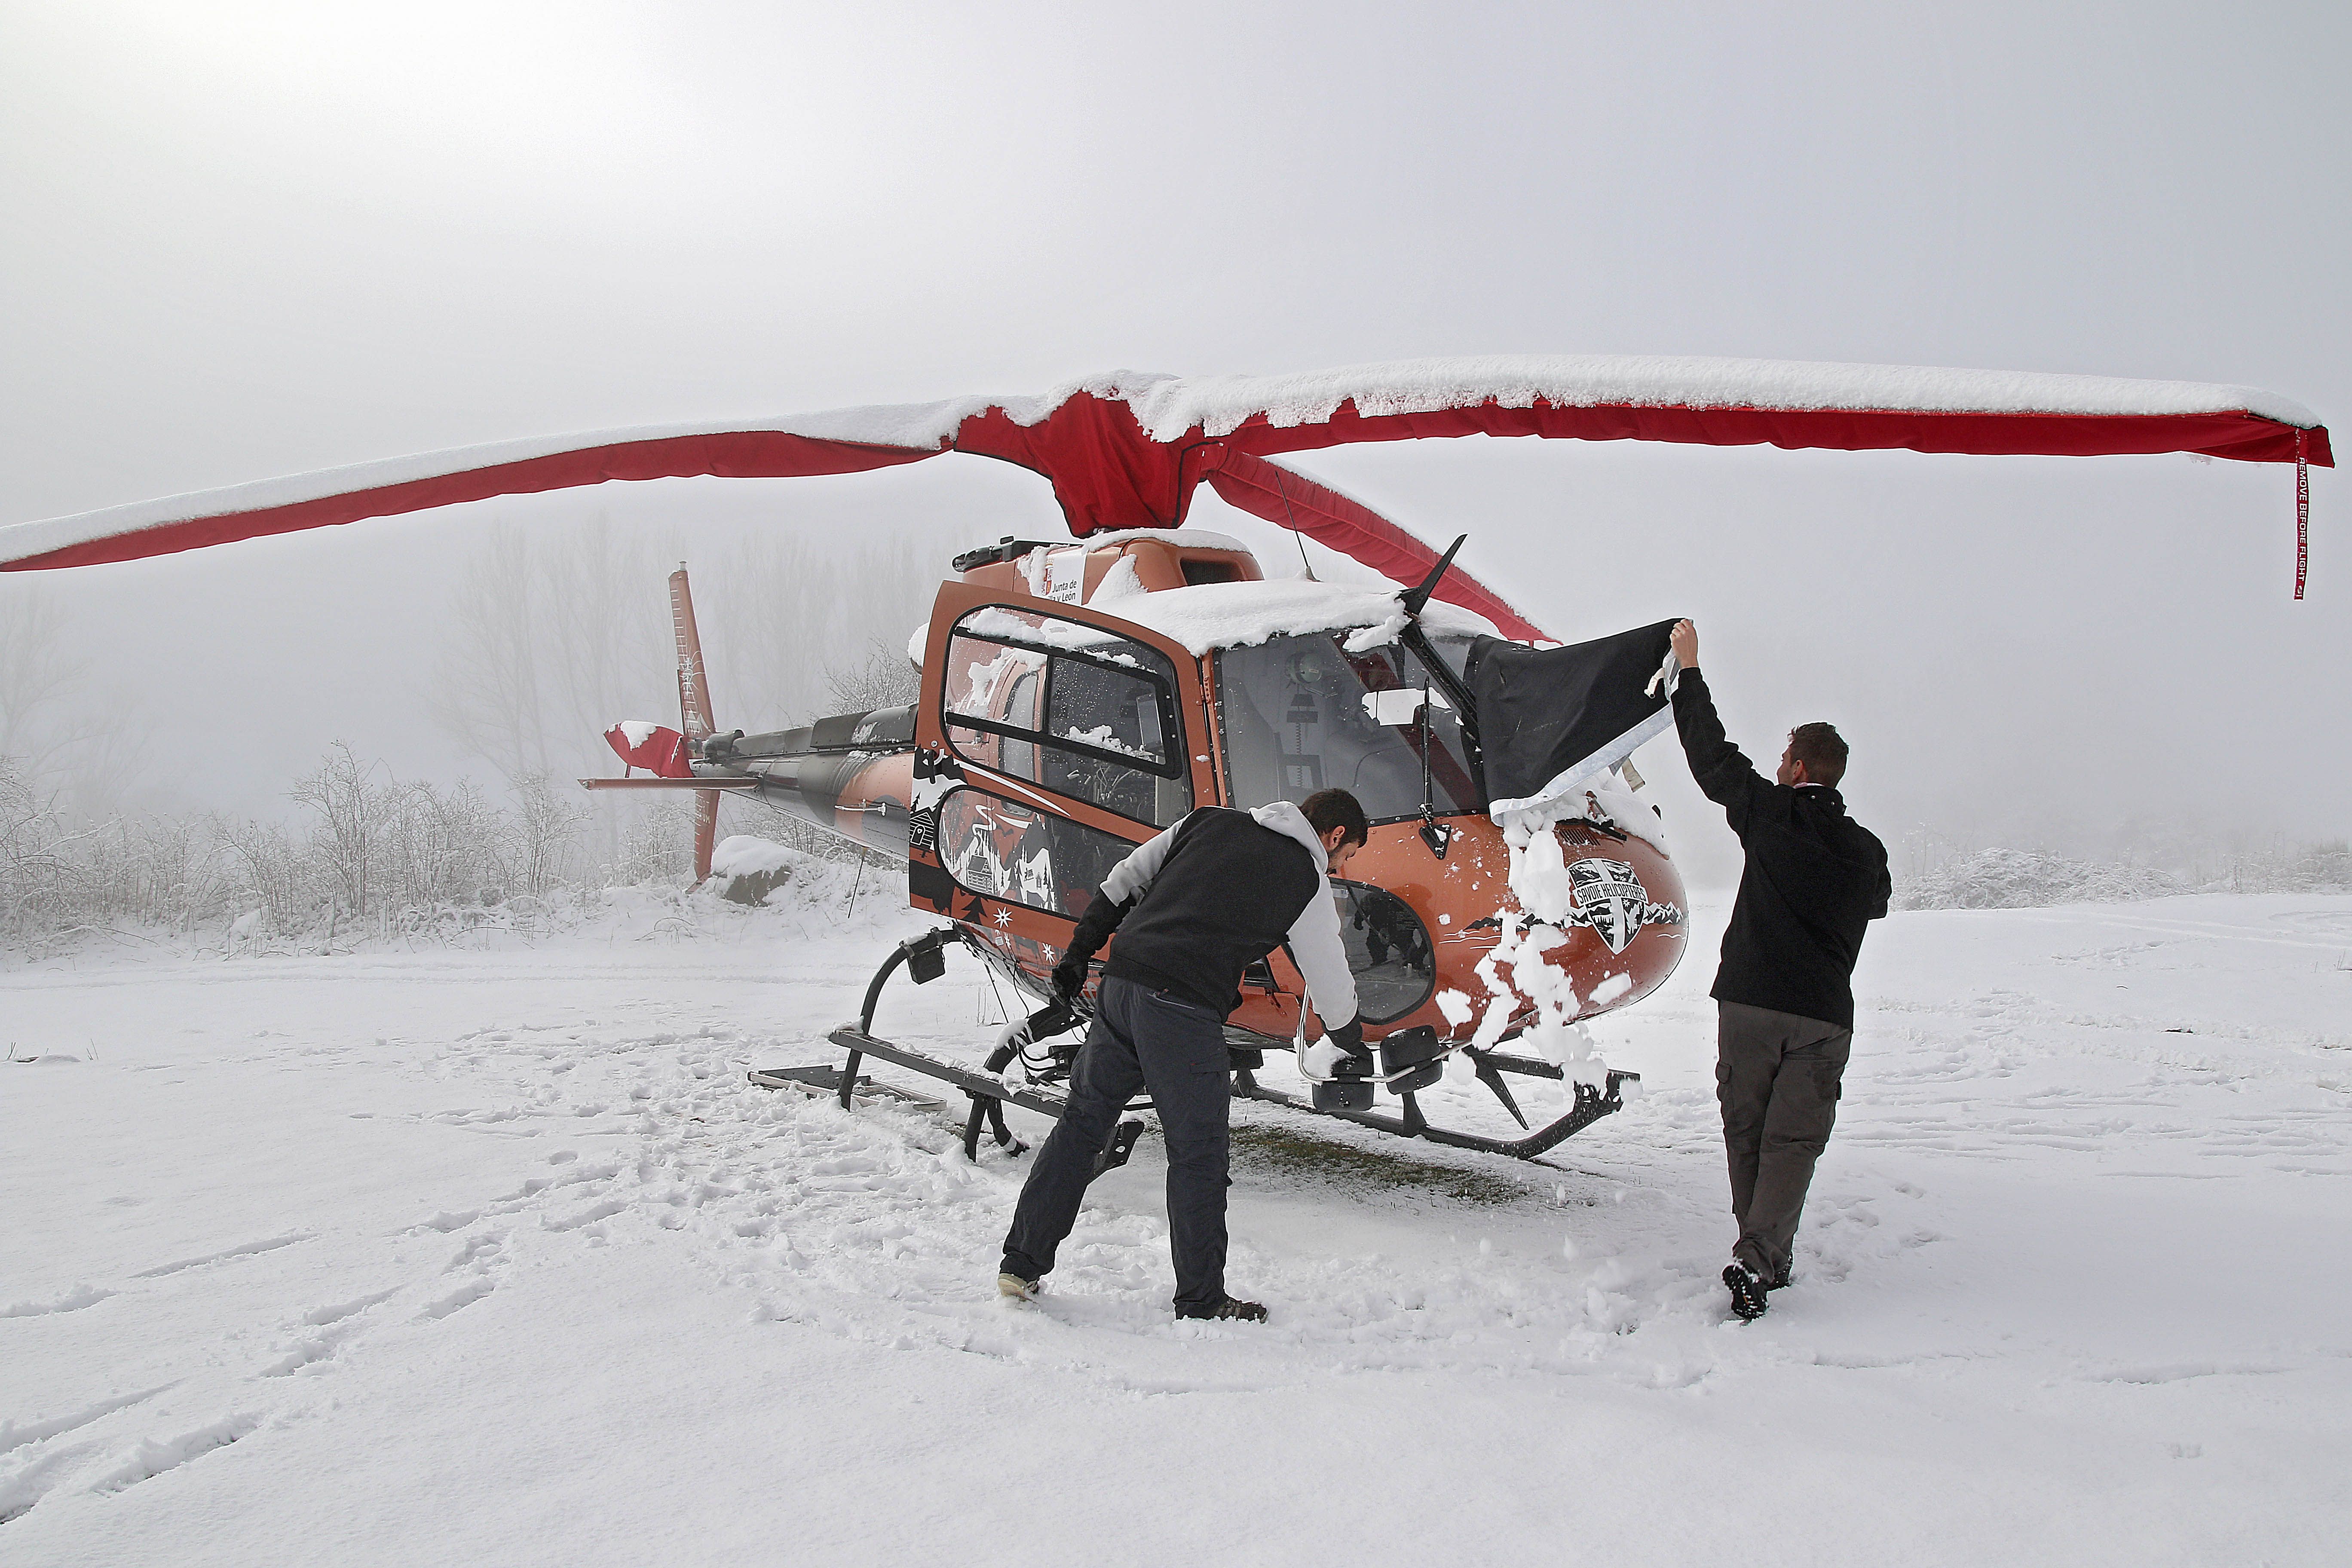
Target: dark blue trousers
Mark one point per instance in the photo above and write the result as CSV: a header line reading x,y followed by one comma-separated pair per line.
x,y
1140,1039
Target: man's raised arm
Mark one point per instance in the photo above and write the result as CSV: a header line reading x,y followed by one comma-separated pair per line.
x,y
1723,773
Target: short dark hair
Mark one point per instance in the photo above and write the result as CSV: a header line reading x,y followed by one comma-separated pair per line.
x,y
1822,751
1328,808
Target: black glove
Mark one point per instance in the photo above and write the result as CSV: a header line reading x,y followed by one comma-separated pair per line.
x,y
1101,919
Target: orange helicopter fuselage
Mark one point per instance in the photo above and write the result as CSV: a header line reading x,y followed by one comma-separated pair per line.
x,y
976,788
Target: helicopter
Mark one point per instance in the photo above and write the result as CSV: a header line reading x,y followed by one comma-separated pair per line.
x,y
1078,697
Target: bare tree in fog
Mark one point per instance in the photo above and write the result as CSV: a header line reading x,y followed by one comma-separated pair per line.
x,y
884,678
560,636
787,614
606,616
349,808
485,692
64,735
38,680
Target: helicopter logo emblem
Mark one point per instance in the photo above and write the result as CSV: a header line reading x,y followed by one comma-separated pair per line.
x,y
1609,897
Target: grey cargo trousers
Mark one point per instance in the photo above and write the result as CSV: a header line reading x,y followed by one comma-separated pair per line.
x,y
1777,1077
1140,1039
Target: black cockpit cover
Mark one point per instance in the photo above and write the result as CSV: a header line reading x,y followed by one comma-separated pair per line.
x,y
1549,717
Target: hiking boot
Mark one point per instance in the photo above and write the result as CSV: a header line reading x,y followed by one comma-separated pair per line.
x,y
1236,1311
1013,1288
1747,1288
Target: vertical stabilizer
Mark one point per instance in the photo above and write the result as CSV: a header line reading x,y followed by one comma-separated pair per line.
x,y
693,693
694,712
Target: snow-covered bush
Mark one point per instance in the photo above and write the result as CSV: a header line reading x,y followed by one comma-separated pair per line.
x,y
545,835
2299,869
367,856
39,878
2025,878
657,846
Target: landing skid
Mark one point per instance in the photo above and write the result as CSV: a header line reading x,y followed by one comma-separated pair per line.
x,y
925,960
988,1092
825,1083
1589,1106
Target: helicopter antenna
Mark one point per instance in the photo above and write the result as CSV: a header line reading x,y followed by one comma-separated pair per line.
x,y
1417,599
1283,490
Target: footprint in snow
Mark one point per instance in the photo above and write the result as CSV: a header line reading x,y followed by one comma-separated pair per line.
x,y
477,1252
13,1436
152,1458
312,1352
464,1296
587,1217
320,1316
226,1255
73,1301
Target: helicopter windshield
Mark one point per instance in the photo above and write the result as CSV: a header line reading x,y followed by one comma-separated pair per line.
x,y
1296,720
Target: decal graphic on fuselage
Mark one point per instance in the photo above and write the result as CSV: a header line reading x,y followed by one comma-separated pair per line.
x,y
977,863
1609,897
1605,897
990,859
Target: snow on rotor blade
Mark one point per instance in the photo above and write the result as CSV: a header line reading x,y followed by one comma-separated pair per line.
x,y
845,441
1127,450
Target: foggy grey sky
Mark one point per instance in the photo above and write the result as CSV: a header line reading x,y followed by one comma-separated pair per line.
x,y
242,240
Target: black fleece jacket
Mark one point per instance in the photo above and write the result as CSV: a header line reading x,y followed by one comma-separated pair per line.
x,y
1199,904
1814,880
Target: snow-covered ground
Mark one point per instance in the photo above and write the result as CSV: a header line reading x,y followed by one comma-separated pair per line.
x,y
493,1257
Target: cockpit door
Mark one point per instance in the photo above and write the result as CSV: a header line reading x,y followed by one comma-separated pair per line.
x,y
1051,740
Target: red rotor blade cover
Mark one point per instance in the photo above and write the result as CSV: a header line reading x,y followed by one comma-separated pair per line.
x,y
661,751
1290,500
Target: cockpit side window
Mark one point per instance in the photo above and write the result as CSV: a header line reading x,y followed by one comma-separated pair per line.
x,y
1019,757
1076,709
1296,722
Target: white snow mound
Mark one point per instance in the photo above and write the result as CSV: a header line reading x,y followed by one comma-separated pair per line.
x,y
742,855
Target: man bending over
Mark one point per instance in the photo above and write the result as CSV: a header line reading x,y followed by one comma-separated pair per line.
x,y
1815,879
1193,908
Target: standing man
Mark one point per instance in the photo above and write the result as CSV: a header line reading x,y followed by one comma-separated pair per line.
x,y
1193,907
1814,880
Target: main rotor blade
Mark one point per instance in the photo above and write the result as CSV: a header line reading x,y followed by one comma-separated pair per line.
x,y
402,485
1289,499
1127,450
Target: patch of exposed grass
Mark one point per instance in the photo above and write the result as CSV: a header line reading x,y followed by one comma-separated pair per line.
x,y
1288,1155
